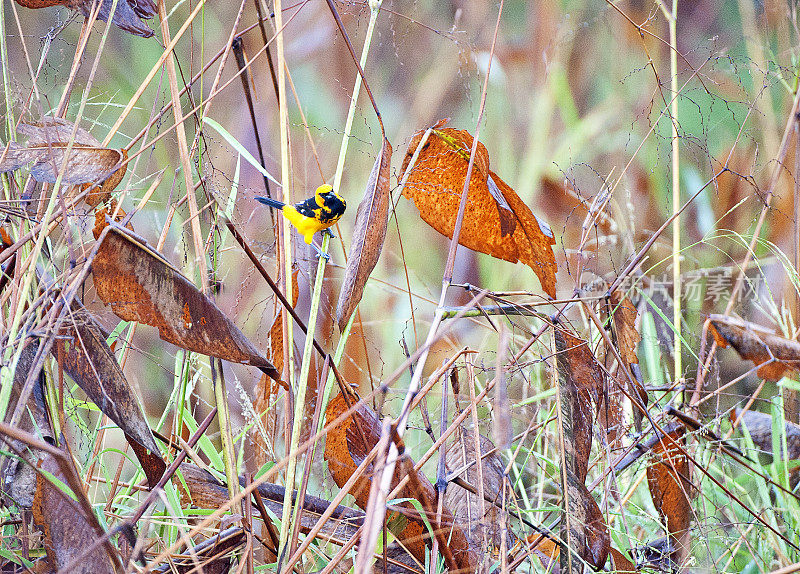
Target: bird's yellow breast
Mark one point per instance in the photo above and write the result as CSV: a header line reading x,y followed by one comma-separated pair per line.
x,y
306,226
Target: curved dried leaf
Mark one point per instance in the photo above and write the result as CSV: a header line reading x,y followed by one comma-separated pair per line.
x,y
68,528
19,478
89,164
127,14
84,354
624,314
777,355
496,221
346,447
669,481
140,285
55,131
583,529
368,235
580,383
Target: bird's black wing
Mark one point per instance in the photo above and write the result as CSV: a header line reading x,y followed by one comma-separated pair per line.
x,y
307,207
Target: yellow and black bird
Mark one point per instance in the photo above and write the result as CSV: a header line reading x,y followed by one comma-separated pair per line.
x,y
314,214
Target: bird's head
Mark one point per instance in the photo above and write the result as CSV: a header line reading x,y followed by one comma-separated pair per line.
x,y
325,195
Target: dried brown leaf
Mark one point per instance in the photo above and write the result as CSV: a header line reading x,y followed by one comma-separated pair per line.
x,y
68,528
759,425
47,146
778,356
84,354
496,221
368,235
624,315
19,476
580,383
140,285
127,15
346,447
669,481
466,506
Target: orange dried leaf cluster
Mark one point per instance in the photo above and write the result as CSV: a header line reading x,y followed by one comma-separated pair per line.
x,y
778,356
496,221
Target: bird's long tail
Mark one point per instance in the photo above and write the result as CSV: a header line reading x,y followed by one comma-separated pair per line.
x,y
271,202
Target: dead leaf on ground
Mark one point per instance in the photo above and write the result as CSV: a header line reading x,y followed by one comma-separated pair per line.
x,y
88,161
496,221
128,14
368,235
140,285
758,344
85,355
346,448
69,526
669,481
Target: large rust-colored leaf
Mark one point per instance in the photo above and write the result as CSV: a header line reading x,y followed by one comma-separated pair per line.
x,y
669,481
47,146
496,221
140,285
84,354
758,344
127,15
69,526
368,235
346,448
466,507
